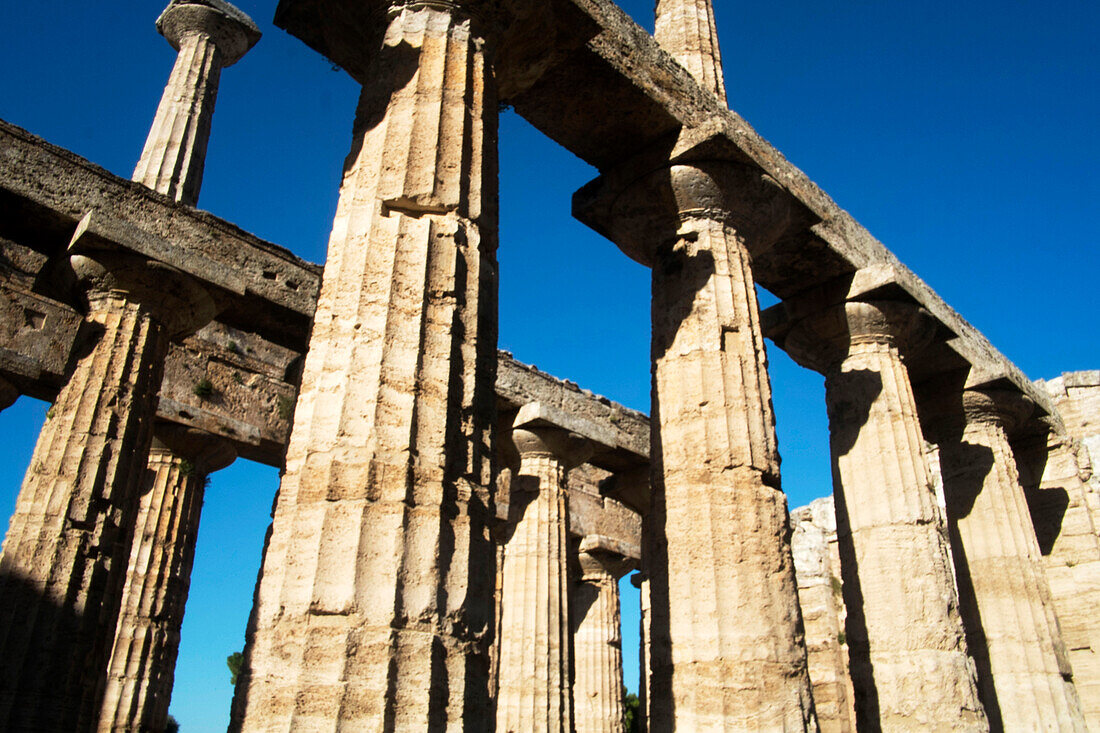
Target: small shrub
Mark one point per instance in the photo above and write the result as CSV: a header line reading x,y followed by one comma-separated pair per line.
x,y
203,388
285,406
835,582
841,638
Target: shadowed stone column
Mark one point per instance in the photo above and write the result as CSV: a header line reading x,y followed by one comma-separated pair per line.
x,y
8,394
141,671
909,661
1024,677
533,691
641,582
597,638
209,35
64,557
374,606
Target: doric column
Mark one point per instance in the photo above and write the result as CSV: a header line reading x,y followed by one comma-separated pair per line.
x,y
535,651
209,35
909,662
597,639
374,606
142,666
8,394
685,28
64,557
1024,677
641,582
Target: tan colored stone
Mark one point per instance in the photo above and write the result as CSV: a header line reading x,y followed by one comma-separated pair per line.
x,y
597,639
686,30
1025,680
909,662
142,666
813,545
533,692
374,607
209,34
645,612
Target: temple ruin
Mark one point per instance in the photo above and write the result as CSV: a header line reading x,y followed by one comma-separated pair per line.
x,y
452,525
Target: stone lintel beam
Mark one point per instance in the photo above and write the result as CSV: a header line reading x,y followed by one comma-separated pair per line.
x,y
55,189
601,545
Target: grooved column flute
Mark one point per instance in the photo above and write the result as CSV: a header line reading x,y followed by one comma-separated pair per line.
x,y
209,35
64,557
1024,676
909,662
374,605
533,690
597,639
141,671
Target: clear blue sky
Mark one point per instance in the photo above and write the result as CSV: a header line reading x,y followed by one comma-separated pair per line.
x,y
961,134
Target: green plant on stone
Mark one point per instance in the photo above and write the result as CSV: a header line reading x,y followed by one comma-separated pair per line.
x,y
285,406
203,388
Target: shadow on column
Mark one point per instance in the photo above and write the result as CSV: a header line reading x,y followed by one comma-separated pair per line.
x,y
847,418
18,710
961,486
661,711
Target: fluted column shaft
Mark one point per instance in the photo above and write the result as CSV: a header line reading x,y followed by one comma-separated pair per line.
x,y
65,553
374,605
142,666
645,611
686,30
909,662
207,38
1012,630
598,644
728,650
535,651
173,159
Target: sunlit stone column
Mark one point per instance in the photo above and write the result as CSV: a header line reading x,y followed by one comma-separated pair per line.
x,y
209,35
909,662
8,394
686,29
64,557
374,606
597,639
1024,676
142,666
535,651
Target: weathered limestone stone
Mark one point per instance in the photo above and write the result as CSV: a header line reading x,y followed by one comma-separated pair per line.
x,y
8,394
597,639
209,35
374,606
142,667
64,557
1025,680
909,663
817,567
686,30
535,651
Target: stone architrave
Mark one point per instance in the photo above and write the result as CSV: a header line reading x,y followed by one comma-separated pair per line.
x,y
142,666
907,645
1025,680
64,557
375,601
597,639
533,693
8,394
209,35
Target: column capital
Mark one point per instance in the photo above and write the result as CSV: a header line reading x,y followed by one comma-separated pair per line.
x,y
952,414
229,29
540,431
823,340
175,299
206,452
600,557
